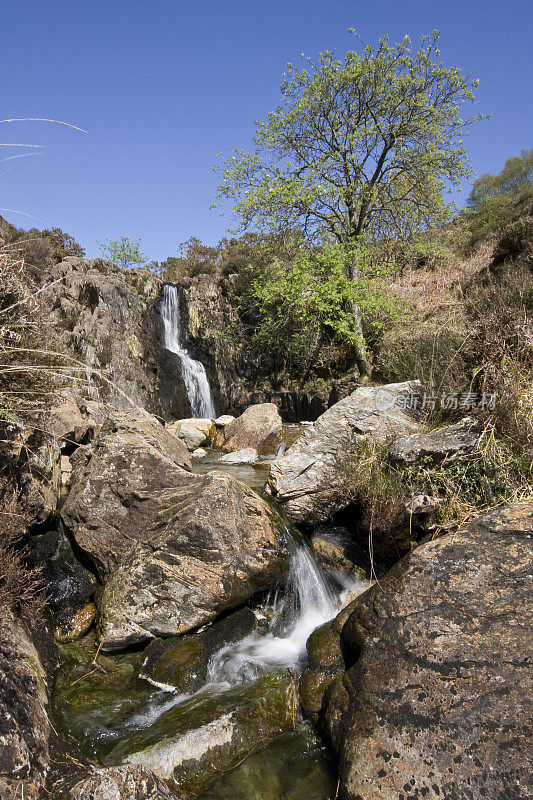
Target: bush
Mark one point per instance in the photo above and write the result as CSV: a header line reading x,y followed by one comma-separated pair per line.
x,y
20,586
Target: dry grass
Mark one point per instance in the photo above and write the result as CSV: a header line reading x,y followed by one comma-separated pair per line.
x,y
20,587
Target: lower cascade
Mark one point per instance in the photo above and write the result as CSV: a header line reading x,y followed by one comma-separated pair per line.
x,y
193,372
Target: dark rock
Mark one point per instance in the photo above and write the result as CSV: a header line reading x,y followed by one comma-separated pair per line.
x,y
68,585
24,725
436,701
182,662
444,443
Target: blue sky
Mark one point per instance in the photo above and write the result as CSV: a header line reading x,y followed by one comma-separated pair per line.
x,y
162,86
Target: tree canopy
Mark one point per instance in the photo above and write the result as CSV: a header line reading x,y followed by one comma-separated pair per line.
x,y
124,252
364,145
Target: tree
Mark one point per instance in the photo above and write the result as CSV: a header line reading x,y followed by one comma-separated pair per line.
x,y
515,177
301,303
363,146
124,252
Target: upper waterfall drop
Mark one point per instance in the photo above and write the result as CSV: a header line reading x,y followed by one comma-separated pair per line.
x,y
193,372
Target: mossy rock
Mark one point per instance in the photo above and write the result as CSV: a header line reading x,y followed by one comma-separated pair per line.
x,y
183,661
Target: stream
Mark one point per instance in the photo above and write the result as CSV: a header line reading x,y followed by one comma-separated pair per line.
x,y
120,708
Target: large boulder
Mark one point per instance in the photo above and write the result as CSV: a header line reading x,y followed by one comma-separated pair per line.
x,y
308,480
193,432
24,725
436,701
259,427
114,481
172,549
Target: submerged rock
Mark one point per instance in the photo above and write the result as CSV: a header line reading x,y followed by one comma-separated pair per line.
x,y
436,701
24,725
308,481
259,427
78,624
121,783
191,748
335,549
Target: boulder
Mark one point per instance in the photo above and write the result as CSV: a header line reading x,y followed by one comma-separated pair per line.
x,y
183,661
172,550
24,725
193,432
259,427
447,443
207,545
224,420
190,750
436,700
308,481
246,456
121,783
112,484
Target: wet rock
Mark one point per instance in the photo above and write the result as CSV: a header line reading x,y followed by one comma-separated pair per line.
x,y
259,427
335,549
444,443
192,756
121,783
24,725
193,432
246,456
308,480
68,585
182,662
436,700
78,624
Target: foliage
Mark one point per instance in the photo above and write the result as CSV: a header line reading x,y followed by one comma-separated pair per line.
x,y
124,252
462,488
360,146
310,298
39,248
496,200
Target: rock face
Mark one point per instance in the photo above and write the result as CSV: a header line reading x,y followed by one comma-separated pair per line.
x,y
437,701
259,427
450,442
24,726
108,318
121,783
308,479
173,550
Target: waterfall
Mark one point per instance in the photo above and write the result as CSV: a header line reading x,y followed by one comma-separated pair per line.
x,y
310,598
193,372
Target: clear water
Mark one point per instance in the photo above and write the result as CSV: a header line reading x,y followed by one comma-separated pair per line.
x,y
193,372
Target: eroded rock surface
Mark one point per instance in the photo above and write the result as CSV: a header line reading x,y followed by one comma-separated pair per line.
x,y
309,480
450,442
24,725
121,783
438,701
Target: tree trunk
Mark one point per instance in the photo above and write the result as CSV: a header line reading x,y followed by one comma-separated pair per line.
x,y
359,351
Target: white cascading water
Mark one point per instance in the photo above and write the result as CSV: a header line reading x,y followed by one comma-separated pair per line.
x,y
193,372
307,601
